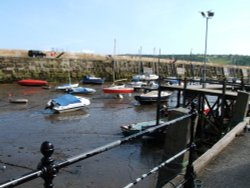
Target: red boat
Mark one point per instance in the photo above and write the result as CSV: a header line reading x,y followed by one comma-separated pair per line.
x,y
118,89
30,82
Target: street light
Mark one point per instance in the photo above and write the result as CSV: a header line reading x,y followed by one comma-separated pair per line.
x,y
208,15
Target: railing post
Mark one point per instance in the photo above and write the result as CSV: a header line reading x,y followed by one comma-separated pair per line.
x,y
158,102
190,174
47,164
184,93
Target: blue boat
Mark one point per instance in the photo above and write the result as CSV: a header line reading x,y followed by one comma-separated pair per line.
x,y
81,90
92,80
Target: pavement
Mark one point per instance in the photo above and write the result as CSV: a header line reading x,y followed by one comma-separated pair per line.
x,y
231,169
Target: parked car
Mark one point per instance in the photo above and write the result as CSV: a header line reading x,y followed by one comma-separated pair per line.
x,y
36,53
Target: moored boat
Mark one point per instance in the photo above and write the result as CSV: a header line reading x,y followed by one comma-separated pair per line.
x,y
18,100
81,90
66,86
88,79
152,97
31,82
137,127
145,77
66,103
118,89
137,85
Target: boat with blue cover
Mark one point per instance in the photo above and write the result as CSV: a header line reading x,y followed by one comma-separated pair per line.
x,y
66,103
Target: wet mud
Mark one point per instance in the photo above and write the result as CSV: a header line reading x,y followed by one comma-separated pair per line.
x,y
24,127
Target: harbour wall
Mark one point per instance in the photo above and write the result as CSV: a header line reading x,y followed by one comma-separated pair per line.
x,y
56,67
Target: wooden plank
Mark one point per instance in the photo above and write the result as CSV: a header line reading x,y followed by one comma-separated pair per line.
x,y
197,89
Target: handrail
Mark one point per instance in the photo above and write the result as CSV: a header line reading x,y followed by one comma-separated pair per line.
x,y
47,169
118,142
157,167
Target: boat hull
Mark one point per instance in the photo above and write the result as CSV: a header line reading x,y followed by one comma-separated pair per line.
x,y
152,97
75,103
20,101
137,127
118,91
81,90
92,80
148,100
30,82
66,86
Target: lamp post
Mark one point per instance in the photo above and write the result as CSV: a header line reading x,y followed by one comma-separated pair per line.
x,y
208,15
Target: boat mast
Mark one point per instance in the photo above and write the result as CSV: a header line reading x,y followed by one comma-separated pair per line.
x,y
140,62
114,53
157,67
69,74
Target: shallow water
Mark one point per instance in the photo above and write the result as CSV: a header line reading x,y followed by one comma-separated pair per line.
x,y
24,127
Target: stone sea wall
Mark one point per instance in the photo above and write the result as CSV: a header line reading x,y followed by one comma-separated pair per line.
x,y
16,65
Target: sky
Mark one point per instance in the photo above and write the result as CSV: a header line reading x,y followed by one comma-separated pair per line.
x,y
126,26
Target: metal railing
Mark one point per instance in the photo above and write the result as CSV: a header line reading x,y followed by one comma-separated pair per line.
x,y
48,168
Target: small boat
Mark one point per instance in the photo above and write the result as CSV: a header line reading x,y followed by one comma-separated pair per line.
x,y
31,82
66,103
118,89
173,82
46,87
152,97
145,77
18,100
81,90
137,85
137,127
66,86
92,80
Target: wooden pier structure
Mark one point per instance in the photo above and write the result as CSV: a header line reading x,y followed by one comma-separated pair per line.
x,y
217,128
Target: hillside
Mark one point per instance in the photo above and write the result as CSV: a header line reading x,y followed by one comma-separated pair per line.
x,y
217,59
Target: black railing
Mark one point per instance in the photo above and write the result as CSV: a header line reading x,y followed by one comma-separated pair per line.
x,y
48,168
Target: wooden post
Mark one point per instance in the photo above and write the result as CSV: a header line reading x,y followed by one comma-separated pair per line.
x,y
184,92
240,108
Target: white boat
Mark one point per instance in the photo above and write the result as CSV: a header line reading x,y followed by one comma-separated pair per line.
x,y
152,97
81,90
18,100
118,89
66,86
137,84
145,77
66,103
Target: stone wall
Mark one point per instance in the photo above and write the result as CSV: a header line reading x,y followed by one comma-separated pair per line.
x,y
15,65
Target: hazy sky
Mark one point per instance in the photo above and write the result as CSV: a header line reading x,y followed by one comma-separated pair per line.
x,y
174,26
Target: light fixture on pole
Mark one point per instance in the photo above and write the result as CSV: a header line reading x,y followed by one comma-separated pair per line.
x,y
208,15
